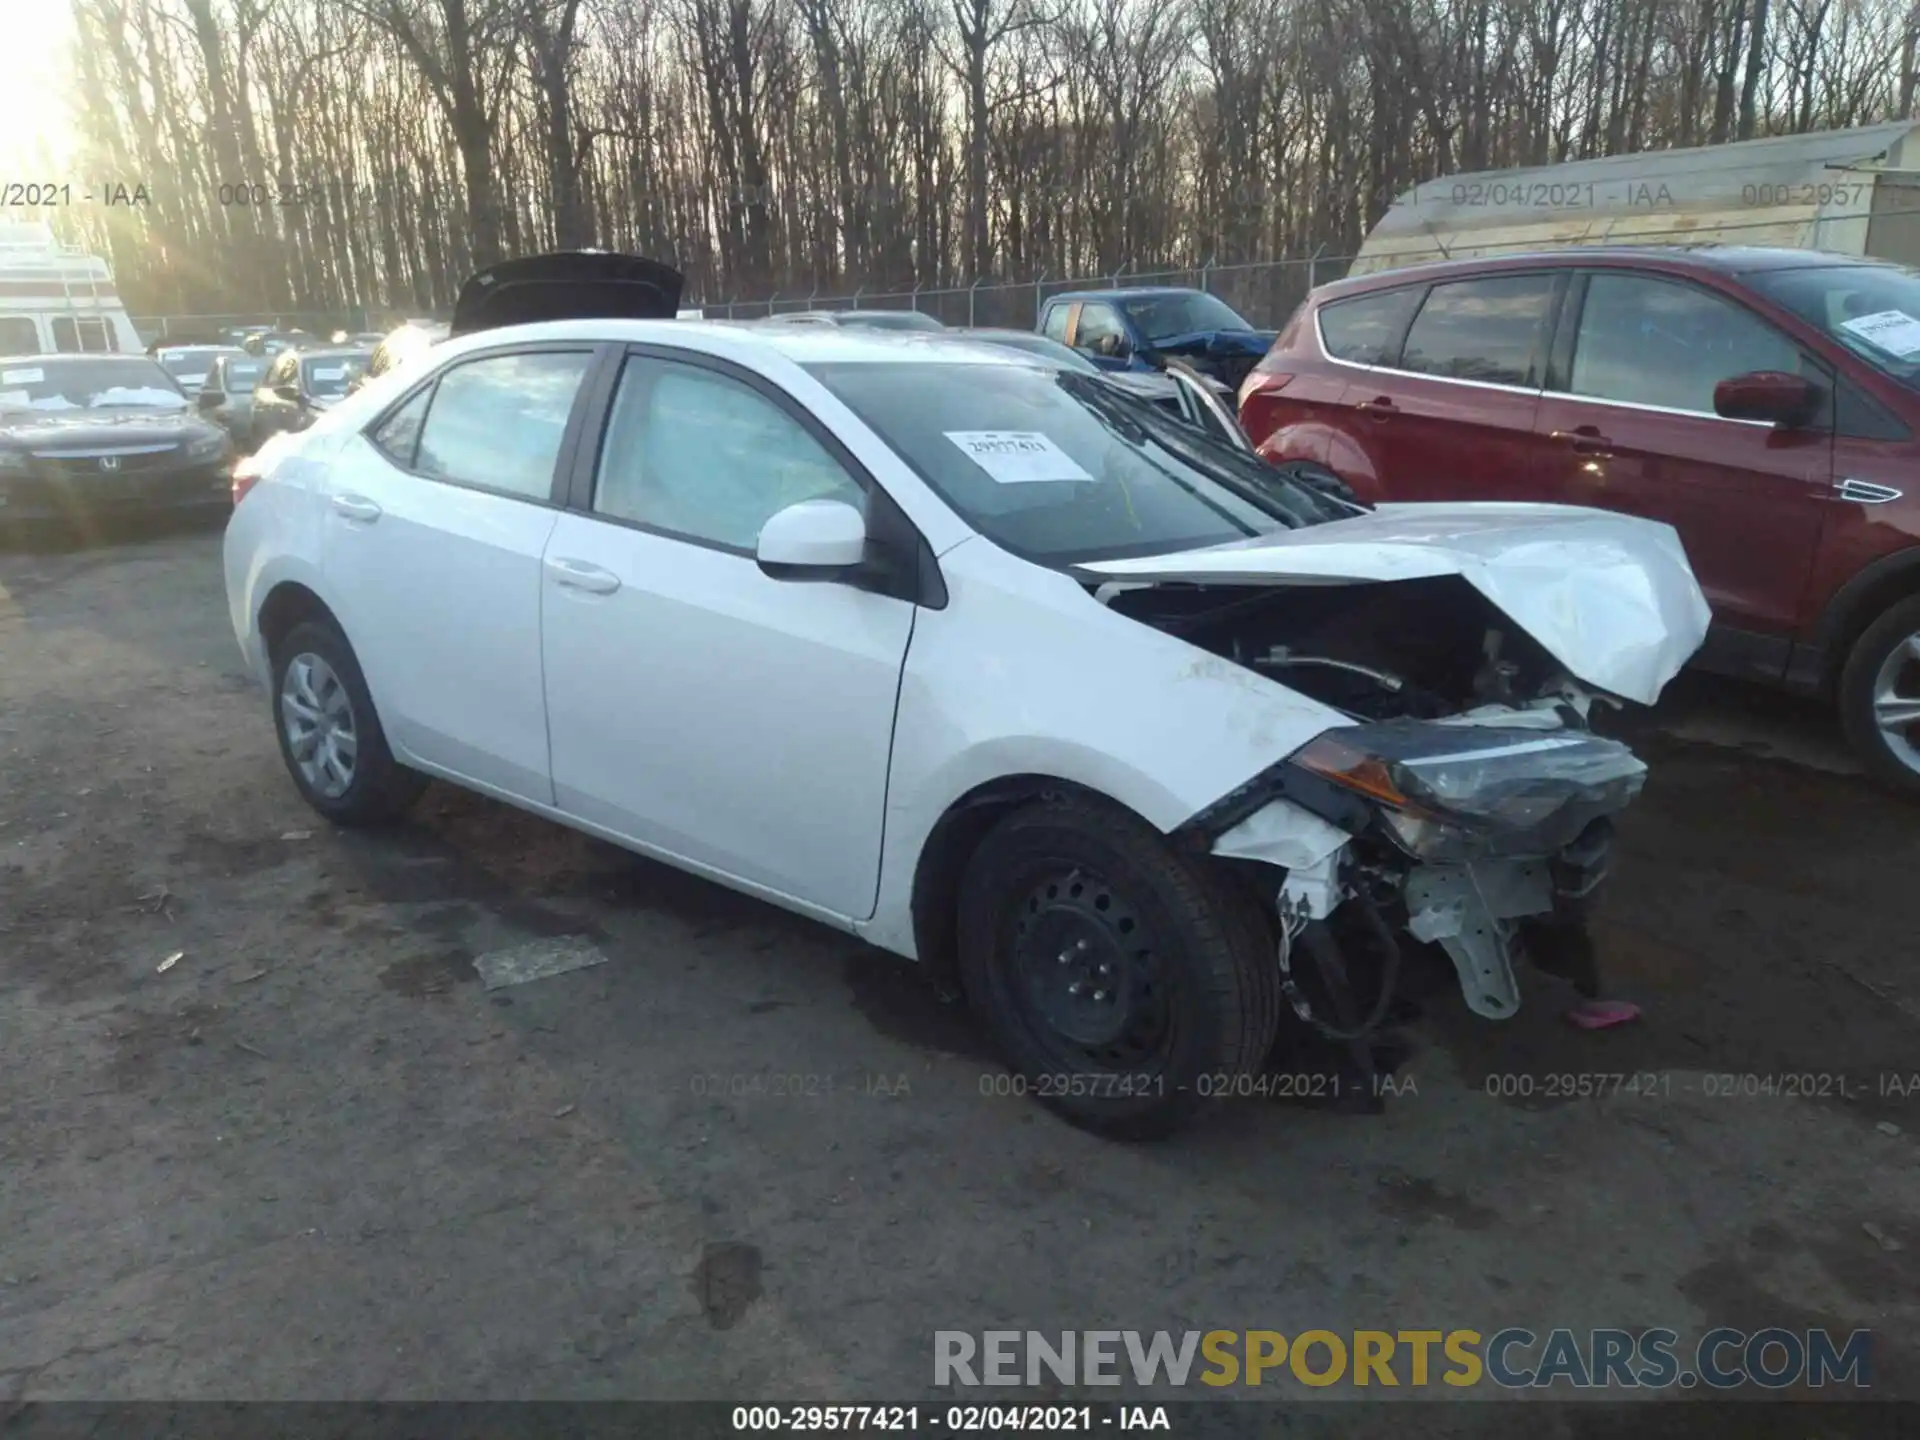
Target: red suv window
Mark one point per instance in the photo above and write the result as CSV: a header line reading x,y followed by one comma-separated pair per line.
x,y
1489,329
1367,329
1648,341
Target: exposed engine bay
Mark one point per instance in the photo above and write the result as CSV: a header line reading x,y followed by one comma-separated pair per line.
x,y
1413,649
1468,809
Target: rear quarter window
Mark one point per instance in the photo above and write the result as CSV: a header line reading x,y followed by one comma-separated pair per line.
x,y
1366,330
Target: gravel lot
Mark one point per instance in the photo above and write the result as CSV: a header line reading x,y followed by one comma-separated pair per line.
x,y
316,1158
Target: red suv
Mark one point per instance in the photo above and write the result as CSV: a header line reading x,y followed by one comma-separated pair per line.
x,y
1764,403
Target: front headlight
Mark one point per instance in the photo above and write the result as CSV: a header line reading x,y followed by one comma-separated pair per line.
x,y
1454,792
207,447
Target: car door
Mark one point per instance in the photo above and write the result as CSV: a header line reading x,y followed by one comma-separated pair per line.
x,y
1630,426
1101,335
1450,416
269,407
698,707
438,518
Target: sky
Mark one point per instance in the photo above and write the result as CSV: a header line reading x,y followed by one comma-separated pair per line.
x,y
36,129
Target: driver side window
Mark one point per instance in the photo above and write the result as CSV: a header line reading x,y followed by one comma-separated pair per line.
x,y
697,454
1100,332
1668,344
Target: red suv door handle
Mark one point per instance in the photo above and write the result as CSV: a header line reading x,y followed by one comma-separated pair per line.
x,y
1586,440
1378,408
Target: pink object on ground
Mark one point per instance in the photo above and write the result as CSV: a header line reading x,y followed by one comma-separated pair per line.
x,y
1603,1014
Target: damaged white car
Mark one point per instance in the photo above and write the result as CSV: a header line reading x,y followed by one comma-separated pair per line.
x,y
1133,740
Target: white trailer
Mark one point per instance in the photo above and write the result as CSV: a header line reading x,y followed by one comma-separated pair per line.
x,y
1855,192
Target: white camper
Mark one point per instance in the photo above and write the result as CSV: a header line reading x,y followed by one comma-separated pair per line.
x,y
57,298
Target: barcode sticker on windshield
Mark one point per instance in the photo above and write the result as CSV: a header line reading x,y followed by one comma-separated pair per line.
x,y
166,355
1893,331
22,377
329,372
1017,457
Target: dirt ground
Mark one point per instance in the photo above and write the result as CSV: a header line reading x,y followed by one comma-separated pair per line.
x,y
749,1158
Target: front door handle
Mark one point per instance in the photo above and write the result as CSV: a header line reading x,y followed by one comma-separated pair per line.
x,y
356,507
578,575
1586,440
1378,408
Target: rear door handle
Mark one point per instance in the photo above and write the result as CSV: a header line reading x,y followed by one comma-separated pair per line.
x,y
578,575
356,507
1586,440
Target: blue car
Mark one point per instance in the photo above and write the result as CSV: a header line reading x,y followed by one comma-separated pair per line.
x,y
1142,328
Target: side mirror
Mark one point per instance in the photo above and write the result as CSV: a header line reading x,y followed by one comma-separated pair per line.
x,y
813,540
211,399
1770,395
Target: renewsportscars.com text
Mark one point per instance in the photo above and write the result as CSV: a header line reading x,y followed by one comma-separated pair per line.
x,y
1512,1358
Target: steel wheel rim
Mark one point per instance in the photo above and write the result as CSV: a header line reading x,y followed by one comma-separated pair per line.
x,y
1089,975
1896,701
317,716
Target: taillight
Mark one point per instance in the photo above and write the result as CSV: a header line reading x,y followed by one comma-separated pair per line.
x,y
246,475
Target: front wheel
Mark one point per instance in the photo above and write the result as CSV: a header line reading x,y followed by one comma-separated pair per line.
x,y
1880,697
1124,983
330,735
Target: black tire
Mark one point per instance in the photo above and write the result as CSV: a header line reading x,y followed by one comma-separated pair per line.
x,y
1858,681
381,788
1196,998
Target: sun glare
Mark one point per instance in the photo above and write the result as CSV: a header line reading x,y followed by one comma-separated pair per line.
x,y
37,143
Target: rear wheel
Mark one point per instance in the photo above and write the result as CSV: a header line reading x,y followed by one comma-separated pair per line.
x,y
1124,983
330,735
1880,696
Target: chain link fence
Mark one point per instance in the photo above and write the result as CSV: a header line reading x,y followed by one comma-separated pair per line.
x,y
1265,292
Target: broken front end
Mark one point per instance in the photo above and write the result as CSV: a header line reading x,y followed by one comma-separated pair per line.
x,y
1469,807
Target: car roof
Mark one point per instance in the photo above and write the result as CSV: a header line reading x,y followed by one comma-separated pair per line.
x,y
801,344
74,357
1719,259
330,352
1127,292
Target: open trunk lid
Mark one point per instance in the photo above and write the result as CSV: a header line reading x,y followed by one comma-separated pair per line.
x,y
567,285
1611,597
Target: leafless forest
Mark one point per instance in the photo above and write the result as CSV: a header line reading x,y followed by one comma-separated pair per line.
x,y
313,154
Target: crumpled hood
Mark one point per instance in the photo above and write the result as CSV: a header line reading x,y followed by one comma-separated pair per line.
x,y
1219,342
1611,597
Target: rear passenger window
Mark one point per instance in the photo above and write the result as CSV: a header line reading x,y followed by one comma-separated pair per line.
x,y
497,423
17,336
1486,330
1367,329
399,433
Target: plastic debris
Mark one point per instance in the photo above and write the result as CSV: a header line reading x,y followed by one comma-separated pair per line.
x,y
563,1112
537,960
250,975
171,961
1880,1237
1887,1127
298,835
1603,1014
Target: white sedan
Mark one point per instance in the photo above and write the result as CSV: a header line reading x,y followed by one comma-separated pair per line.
x,y
1127,737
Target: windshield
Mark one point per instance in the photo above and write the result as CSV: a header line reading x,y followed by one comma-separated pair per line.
x,y
1062,468
48,384
1041,345
891,320
331,374
1873,310
1162,317
191,366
